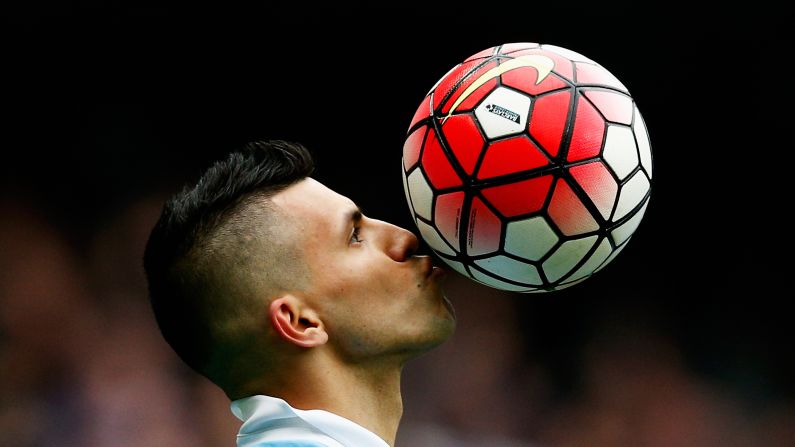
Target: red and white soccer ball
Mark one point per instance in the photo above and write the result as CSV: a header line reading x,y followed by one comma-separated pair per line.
x,y
527,167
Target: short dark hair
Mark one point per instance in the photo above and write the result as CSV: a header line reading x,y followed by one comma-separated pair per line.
x,y
192,217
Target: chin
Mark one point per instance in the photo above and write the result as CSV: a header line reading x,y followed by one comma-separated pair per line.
x,y
439,332
443,330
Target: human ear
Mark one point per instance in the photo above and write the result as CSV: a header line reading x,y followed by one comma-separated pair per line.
x,y
297,323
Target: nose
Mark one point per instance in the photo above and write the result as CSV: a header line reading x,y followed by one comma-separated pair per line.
x,y
400,244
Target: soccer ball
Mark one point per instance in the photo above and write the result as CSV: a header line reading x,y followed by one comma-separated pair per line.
x,y
527,167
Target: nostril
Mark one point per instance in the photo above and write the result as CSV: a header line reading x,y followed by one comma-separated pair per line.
x,y
404,245
411,251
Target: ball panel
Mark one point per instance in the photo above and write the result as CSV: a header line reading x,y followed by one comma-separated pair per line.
x,y
457,266
467,80
511,269
568,213
517,198
483,54
568,284
423,111
447,216
588,132
525,79
598,184
563,66
566,257
406,192
548,120
631,195
596,259
431,236
614,106
510,156
484,230
464,139
530,238
412,147
474,98
436,165
452,78
642,137
568,54
593,74
516,46
504,112
621,233
620,152
494,282
612,256
421,194
439,81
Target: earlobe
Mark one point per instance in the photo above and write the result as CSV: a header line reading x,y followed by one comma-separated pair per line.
x,y
297,323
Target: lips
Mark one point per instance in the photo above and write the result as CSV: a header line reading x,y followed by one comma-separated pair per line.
x,y
437,272
430,270
427,266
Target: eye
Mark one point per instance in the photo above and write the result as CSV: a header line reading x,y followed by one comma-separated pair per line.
x,y
355,236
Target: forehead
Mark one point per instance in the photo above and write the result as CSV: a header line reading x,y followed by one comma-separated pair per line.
x,y
310,201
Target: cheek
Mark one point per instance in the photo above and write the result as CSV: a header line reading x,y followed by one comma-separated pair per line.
x,y
371,275
370,285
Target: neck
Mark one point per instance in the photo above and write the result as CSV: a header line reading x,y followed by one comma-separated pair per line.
x,y
366,394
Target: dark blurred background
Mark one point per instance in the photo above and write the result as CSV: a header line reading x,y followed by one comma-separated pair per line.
x,y
683,340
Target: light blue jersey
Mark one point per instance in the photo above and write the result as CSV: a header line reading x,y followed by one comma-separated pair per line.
x,y
272,422
290,444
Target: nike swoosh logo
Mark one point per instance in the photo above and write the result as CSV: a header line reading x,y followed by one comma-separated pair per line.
x,y
542,64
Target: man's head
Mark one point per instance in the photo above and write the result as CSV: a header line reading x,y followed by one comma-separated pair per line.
x,y
258,262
